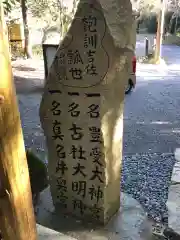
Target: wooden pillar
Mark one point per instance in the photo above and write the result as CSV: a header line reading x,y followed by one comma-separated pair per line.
x,y
17,221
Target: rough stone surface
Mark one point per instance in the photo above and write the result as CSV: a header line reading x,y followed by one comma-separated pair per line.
x,y
147,178
82,111
176,173
49,234
130,222
120,20
173,204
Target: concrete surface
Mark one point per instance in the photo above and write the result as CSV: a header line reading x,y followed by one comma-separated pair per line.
x,y
174,207
176,173
49,234
130,223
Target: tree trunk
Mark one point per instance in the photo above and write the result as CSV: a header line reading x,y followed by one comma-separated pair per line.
x,y
176,24
27,48
170,24
159,34
17,221
158,39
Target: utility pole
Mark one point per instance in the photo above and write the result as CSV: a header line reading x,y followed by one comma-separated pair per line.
x,y
17,221
160,31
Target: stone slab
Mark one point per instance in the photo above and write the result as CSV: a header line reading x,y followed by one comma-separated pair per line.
x,y
82,110
130,222
176,173
49,234
174,207
176,169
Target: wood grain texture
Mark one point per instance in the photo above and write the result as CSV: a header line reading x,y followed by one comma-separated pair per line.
x,y
17,221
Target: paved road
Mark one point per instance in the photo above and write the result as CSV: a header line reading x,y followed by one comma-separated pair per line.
x,y
152,113
152,132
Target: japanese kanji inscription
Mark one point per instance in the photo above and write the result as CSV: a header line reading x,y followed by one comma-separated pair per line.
x,y
78,63
81,115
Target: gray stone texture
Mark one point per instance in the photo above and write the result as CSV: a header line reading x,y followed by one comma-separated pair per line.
x,y
82,110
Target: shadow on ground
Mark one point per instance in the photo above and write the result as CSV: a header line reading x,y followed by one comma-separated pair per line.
x,y
130,222
28,85
24,68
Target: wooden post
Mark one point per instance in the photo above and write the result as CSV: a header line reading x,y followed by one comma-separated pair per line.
x,y
146,47
17,221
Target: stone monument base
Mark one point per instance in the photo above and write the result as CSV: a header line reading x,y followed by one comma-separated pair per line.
x,y
88,218
130,222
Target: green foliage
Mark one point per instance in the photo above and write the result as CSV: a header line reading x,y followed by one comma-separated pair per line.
x,y
52,13
8,5
37,172
168,16
151,24
146,7
178,32
37,50
175,25
16,50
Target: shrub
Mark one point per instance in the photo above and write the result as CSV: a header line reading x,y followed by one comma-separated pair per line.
x,y
37,50
151,24
37,170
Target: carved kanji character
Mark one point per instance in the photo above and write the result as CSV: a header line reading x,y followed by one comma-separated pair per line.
x,y
76,132
90,23
57,130
91,69
97,174
60,151
95,133
96,154
95,192
61,184
56,108
78,152
61,167
78,204
76,73
73,109
79,187
79,169
94,111
90,41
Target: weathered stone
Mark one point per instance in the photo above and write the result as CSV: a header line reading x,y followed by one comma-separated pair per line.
x,y
82,110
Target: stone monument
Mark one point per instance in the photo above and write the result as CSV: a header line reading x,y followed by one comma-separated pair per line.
x,y
82,109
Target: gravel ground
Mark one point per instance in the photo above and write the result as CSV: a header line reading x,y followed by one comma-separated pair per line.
x,y
147,178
